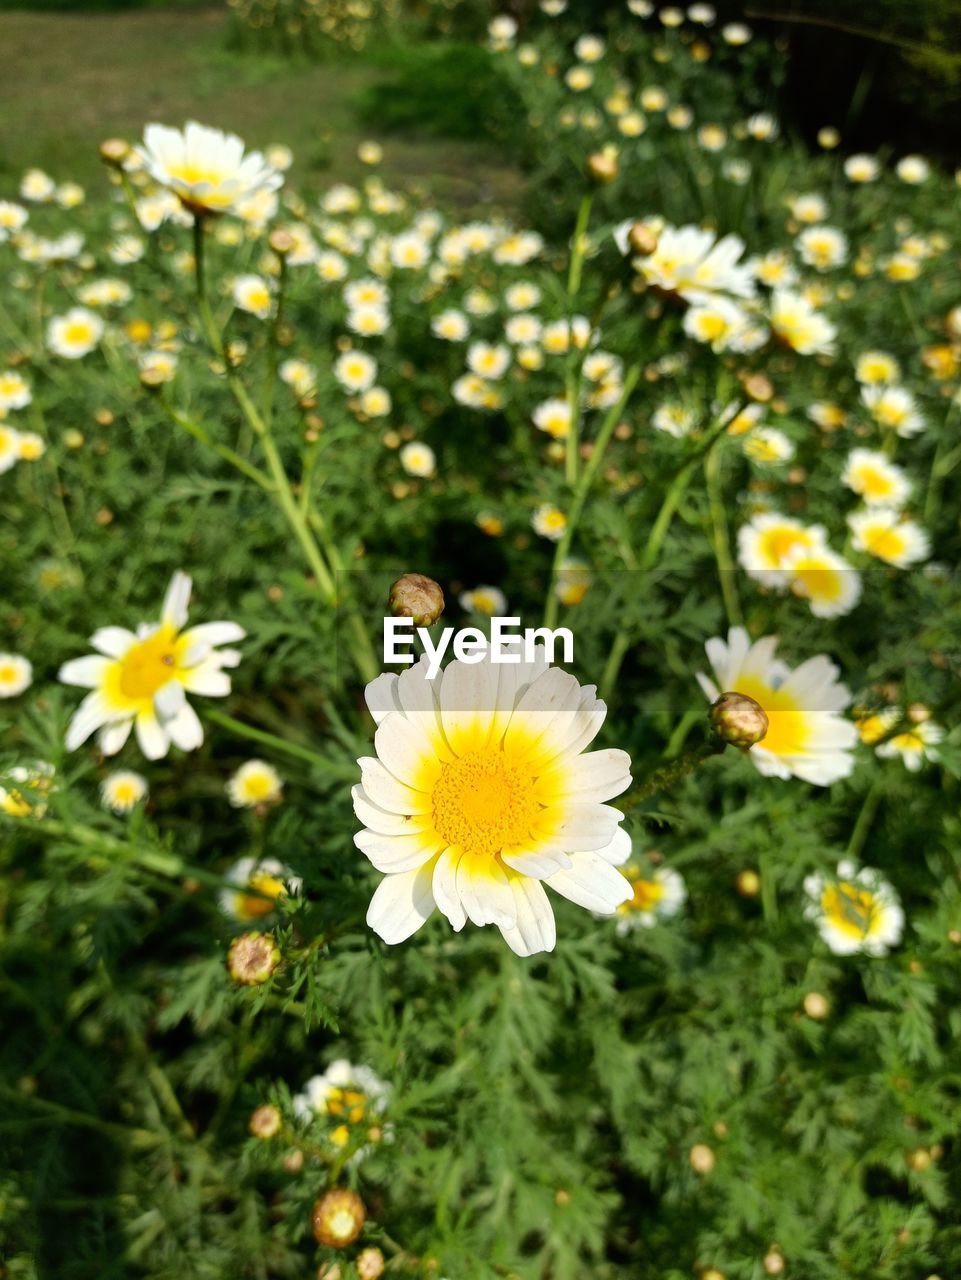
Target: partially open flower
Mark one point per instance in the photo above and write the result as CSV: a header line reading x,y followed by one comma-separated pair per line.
x,y
738,720
370,1264
266,1121
252,958
338,1217
416,596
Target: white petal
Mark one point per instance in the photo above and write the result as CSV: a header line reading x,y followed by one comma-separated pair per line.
x,y
407,750
380,696
385,791
113,736
207,679
592,883
84,672
444,887
176,600
484,892
383,821
113,641
169,699
540,861
535,930
185,729
593,775
401,903
391,854
152,737
89,716
214,633
618,851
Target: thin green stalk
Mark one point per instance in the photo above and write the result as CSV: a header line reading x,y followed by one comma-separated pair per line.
x,y
583,488
574,272
269,739
865,819
722,545
670,775
942,465
229,455
137,1138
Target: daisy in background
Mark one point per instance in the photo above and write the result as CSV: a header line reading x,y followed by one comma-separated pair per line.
x,y
487,600
481,793
451,325
140,680
14,391
875,367
888,535
355,370
252,293
258,883
895,408
658,895
554,417
122,791
206,169
549,522
822,247
9,448
830,585
876,480
572,581
694,265
914,745
24,789
16,675
766,446
74,335
768,539
351,1100
796,324
856,911
418,459
254,784
807,737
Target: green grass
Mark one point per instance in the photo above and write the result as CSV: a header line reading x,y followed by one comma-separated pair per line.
x,y
79,78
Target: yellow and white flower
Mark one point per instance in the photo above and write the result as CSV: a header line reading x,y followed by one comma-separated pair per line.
x,y
14,391
658,895
488,600
487,360
822,247
674,419
206,169
418,459
549,522
9,448
861,168
37,186
885,533
809,208
695,265
875,367
895,408
300,376
767,446
717,322
346,1093
141,679
75,334
24,789
355,370
16,675
122,791
830,585
13,218
856,911
807,738
797,324
572,581
451,325
255,783
554,417
481,793
259,883
876,479
913,745
252,293
913,170
369,320
522,296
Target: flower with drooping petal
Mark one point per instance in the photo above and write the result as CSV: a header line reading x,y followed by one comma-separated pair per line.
x,y
768,539
914,745
481,793
876,479
885,533
259,883
205,168
141,679
807,738
855,910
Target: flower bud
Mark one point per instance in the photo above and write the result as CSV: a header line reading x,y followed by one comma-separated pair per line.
x,y
266,1121
642,240
773,1262
114,151
816,1006
748,884
738,720
418,597
701,1157
338,1217
602,166
370,1264
252,958
293,1161
919,1160
281,241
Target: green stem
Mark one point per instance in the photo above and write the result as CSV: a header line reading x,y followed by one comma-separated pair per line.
x,y
583,488
269,739
138,1138
722,545
671,774
229,455
575,269
866,818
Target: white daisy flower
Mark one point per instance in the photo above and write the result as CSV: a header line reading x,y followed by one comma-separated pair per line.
x,y
487,360
830,585
418,459
355,370
695,265
549,522
122,791
913,745
876,366
16,675
205,168
451,325
876,479
75,334
487,600
255,783
822,247
885,533
14,391
141,679
343,1092
797,324
252,293
258,884
861,168
894,407
554,417
856,911
658,895
481,794
807,738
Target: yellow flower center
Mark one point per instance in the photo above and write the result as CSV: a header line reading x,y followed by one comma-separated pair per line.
x,y
850,909
8,674
149,665
788,726
647,894
351,1103
77,332
886,544
258,786
875,484
777,542
484,802
249,906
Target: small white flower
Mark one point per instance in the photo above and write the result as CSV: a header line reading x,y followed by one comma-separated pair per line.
x,y
258,884
16,675
75,334
418,459
856,911
255,783
122,791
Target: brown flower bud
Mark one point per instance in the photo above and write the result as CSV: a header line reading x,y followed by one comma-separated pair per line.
x,y
418,597
773,1262
602,166
370,1264
252,958
642,240
338,1217
281,241
738,720
816,1005
294,1161
266,1121
758,386
114,151
701,1157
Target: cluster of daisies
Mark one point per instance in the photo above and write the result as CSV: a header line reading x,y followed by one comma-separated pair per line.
x,y
16,445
